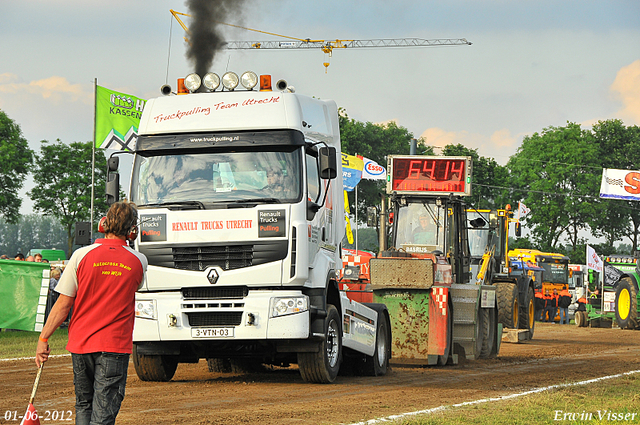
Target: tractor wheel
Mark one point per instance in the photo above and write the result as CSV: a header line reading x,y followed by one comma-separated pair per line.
x,y
508,306
488,328
322,367
154,368
626,304
581,319
527,319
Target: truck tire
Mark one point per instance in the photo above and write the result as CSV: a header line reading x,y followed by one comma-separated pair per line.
x,y
626,304
581,319
322,367
377,364
154,368
508,306
443,359
219,365
527,319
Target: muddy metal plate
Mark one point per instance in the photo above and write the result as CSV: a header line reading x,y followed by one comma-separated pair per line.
x,y
401,273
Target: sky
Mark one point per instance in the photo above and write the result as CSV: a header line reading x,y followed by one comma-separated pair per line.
x,y
531,65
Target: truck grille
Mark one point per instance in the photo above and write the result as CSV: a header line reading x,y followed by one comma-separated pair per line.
x,y
201,256
227,318
225,257
237,292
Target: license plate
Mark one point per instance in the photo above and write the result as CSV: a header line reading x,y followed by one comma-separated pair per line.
x,y
211,332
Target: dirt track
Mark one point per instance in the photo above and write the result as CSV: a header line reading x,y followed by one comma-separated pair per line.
x,y
557,354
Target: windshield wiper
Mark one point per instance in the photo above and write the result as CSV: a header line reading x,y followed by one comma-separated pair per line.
x,y
253,201
183,204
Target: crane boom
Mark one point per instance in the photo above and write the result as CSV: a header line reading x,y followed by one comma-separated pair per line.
x,y
332,44
326,46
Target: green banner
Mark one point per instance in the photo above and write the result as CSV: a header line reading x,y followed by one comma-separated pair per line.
x,y
23,291
117,119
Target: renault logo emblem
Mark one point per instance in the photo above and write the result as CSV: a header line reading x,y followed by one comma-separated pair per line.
x,y
213,276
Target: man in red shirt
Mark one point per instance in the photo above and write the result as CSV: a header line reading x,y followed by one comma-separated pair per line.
x,y
99,282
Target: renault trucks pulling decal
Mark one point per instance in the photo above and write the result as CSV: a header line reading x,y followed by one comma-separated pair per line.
x,y
153,228
271,223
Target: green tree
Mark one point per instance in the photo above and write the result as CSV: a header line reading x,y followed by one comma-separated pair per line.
x,y
619,148
63,184
376,142
16,159
32,231
488,178
556,174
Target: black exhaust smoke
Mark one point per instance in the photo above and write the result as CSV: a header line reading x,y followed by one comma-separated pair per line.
x,y
205,37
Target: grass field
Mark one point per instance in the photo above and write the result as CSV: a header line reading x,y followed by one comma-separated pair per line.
x,y
23,344
605,402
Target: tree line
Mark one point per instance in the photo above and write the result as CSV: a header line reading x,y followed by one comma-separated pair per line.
x,y
62,177
555,172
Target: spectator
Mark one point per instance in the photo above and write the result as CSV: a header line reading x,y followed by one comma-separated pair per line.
x,y
19,257
4,257
30,259
546,315
99,282
52,296
564,301
553,306
539,305
37,258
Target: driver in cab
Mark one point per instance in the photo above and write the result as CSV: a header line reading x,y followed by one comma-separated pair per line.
x,y
425,233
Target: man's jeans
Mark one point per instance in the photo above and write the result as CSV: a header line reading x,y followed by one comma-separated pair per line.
x,y
99,379
552,313
564,315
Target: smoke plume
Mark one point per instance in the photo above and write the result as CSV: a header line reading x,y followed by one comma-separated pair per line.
x,y
205,37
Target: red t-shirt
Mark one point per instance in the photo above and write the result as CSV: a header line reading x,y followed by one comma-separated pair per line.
x,y
103,279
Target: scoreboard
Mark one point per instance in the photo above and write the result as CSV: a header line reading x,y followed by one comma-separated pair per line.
x,y
436,175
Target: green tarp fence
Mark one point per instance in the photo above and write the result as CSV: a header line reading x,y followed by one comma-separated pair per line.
x,y
23,294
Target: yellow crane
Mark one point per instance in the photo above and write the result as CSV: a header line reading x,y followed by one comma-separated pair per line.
x,y
326,46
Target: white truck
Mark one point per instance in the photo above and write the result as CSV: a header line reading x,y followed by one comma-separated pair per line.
x,y
241,218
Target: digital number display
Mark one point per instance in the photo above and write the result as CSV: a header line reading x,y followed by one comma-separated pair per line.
x,y
431,174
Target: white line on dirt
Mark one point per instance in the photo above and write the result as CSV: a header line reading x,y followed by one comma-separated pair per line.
x,y
394,418
32,358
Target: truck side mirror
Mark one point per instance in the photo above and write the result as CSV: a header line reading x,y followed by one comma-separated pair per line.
x,y
518,230
328,163
113,188
372,216
113,180
113,163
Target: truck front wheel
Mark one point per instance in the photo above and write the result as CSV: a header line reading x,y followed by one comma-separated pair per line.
x,y
154,368
322,367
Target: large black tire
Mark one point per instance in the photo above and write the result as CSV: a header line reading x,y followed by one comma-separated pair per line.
x,y
378,364
581,319
444,358
486,332
219,365
154,368
322,367
527,319
626,304
508,305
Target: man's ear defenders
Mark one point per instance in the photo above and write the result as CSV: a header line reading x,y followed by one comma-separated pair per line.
x,y
133,232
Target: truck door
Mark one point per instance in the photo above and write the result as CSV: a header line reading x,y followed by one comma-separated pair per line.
x,y
313,195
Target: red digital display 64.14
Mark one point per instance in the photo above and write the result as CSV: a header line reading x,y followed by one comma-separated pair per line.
x,y
431,174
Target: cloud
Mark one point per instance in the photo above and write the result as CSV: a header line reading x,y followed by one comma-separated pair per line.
x,y
627,89
54,89
499,145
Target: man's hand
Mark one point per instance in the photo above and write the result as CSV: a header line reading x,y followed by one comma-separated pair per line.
x,y
42,352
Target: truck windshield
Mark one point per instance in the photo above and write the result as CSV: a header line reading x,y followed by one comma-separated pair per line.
x,y
206,178
420,227
555,272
